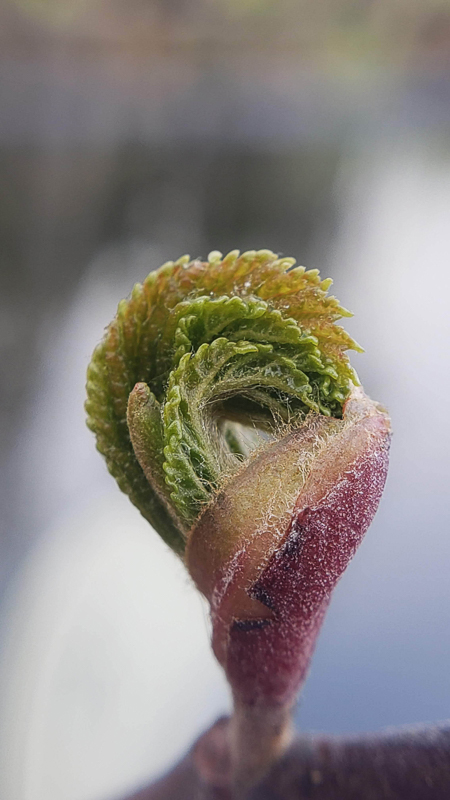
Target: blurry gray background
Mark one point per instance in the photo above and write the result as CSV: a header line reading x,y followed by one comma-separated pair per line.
x,y
133,132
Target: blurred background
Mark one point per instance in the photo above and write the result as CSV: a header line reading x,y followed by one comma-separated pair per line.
x,y
133,132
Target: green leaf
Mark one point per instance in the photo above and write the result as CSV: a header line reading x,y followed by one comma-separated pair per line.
x,y
199,354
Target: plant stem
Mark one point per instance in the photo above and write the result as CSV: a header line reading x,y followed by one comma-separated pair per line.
x,y
258,735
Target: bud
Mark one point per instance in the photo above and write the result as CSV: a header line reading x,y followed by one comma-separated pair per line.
x,y
225,405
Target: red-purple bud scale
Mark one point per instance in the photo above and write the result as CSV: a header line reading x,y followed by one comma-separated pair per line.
x,y
269,594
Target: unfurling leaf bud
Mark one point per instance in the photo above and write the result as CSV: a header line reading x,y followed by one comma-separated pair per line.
x,y
224,403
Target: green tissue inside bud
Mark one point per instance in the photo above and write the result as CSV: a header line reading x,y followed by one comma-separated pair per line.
x,y
201,364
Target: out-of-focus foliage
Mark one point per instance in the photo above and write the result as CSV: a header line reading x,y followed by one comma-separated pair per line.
x,y
367,33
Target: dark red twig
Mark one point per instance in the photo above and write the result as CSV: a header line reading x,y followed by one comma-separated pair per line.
x,y
404,764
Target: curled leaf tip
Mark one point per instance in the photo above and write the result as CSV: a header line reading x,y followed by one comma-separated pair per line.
x,y
205,361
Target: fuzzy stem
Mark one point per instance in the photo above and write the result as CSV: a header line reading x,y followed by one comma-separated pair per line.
x,y
258,736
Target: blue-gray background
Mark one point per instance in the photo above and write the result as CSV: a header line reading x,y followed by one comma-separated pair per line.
x,y
132,132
